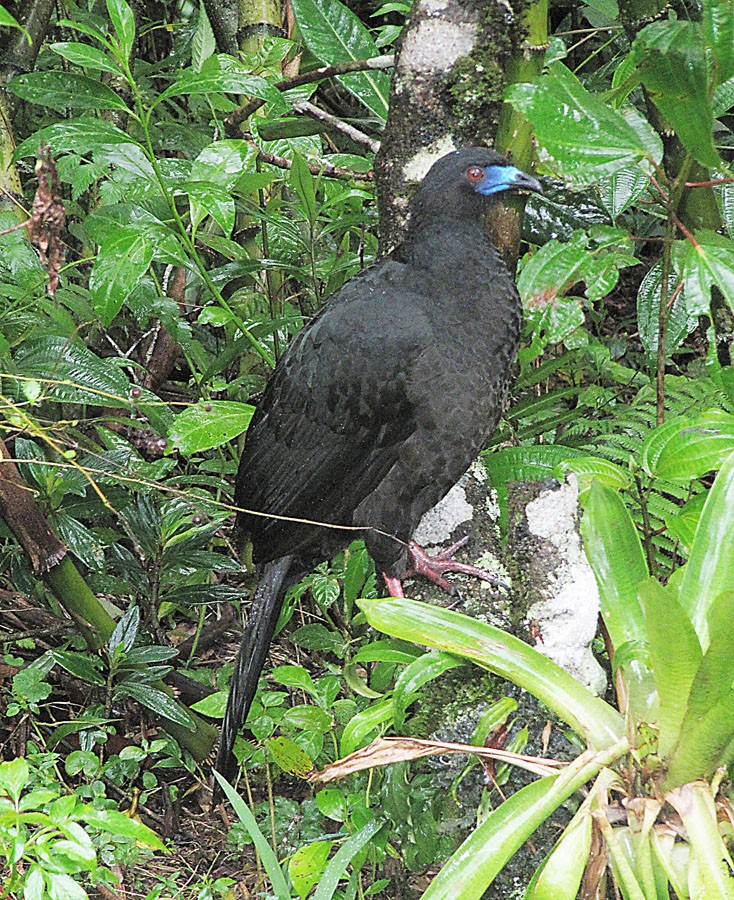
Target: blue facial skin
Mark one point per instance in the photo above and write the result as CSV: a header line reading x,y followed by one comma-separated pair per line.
x,y
505,178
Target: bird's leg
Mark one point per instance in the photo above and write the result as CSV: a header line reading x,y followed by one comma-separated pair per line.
x,y
394,586
434,567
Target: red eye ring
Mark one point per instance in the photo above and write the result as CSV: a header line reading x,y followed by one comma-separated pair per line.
x,y
475,174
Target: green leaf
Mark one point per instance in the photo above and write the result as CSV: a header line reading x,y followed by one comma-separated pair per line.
x,y
415,676
616,557
336,869
295,677
703,266
209,424
78,376
587,468
620,191
361,726
126,631
706,732
675,654
334,34
306,866
120,264
226,74
78,665
302,182
14,775
527,463
718,31
562,871
709,571
158,702
224,163
6,20
502,654
709,872
679,322
672,66
114,822
81,135
211,199
85,56
65,90
214,705
689,448
123,22
265,851
289,757
586,137
204,44
474,866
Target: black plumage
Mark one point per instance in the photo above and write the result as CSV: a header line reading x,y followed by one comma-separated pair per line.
x,y
380,403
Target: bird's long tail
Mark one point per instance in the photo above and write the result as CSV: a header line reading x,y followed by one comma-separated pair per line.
x,y
261,624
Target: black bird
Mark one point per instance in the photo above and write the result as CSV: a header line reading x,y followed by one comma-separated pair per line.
x,y
379,405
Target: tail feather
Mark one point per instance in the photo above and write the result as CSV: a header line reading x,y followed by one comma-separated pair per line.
x,y
253,651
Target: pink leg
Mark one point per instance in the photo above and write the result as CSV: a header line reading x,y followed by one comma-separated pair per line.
x,y
434,567
394,586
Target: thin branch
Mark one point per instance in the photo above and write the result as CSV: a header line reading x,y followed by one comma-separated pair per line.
x,y
359,137
711,183
354,65
320,168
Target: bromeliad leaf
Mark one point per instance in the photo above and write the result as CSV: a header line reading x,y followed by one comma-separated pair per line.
x,y
584,137
209,424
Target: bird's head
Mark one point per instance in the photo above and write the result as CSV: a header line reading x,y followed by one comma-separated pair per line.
x,y
462,181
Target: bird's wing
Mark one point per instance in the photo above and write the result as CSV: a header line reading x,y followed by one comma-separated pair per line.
x,y
334,416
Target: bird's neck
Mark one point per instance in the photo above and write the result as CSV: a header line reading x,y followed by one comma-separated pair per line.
x,y
436,242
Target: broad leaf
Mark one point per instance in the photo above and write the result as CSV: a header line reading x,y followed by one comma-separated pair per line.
x,y
334,34
86,56
586,137
157,702
709,571
615,554
76,375
672,65
65,90
82,135
475,864
209,424
226,74
685,448
502,653
123,23
718,30
119,266
675,654
679,323
709,263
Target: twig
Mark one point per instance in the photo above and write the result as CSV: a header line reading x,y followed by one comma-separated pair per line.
x,y
308,109
354,65
320,168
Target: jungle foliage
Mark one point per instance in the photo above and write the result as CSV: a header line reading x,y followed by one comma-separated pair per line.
x,y
196,236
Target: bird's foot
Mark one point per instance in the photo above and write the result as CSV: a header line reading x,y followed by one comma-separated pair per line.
x,y
434,567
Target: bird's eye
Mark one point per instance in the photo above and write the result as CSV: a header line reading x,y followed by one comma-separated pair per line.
x,y
475,174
